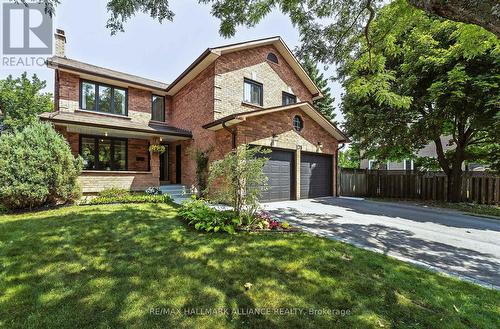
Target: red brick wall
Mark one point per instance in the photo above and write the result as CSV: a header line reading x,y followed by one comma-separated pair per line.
x,y
192,107
139,100
280,122
69,86
138,148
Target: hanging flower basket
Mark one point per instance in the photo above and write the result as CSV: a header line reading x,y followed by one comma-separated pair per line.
x,y
160,149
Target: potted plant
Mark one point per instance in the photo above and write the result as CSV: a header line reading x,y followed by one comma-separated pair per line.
x,y
157,148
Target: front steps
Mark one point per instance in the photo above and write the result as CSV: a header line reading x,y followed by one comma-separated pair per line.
x,y
178,192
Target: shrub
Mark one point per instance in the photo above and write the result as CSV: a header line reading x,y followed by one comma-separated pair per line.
x,y
285,225
114,192
201,157
239,179
37,168
153,190
205,218
131,198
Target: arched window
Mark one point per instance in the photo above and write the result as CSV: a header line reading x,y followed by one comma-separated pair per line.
x,y
298,123
272,57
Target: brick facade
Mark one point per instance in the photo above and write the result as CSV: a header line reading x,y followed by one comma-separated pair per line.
x,y
215,93
231,69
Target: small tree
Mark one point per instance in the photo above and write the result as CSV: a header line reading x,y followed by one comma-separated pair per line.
x,y
21,100
37,168
238,179
201,157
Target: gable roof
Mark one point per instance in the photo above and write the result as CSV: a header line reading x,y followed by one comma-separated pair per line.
x,y
312,112
72,65
211,54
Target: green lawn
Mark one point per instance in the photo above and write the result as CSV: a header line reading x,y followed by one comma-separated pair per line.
x,y
108,266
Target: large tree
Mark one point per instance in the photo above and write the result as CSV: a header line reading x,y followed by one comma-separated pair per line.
x,y
343,17
21,100
324,104
426,79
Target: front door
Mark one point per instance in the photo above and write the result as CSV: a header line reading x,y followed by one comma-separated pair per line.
x,y
178,162
164,165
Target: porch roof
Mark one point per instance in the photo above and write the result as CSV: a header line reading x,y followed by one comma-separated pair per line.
x,y
310,110
114,123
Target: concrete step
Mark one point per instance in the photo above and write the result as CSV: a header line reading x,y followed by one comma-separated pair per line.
x,y
176,190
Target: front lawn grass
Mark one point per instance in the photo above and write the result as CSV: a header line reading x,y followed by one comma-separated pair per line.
x,y
113,266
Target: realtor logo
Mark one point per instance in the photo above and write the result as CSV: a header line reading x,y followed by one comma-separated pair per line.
x,y
27,29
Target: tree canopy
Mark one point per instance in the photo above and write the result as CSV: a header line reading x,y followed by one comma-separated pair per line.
x,y
324,104
426,78
21,101
341,18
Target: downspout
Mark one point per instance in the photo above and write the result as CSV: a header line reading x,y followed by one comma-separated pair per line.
x,y
337,164
56,91
233,135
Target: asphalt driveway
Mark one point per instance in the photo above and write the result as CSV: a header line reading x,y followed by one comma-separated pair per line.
x,y
446,240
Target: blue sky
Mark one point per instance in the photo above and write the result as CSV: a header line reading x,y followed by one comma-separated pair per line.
x,y
148,48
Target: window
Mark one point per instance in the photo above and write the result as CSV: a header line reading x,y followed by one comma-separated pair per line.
x,y
272,57
103,153
103,98
253,93
298,123
288,98
158,108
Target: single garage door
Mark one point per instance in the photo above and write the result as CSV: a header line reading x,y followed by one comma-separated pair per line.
x,y
279,170
315,175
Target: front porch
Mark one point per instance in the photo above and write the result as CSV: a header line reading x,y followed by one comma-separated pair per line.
x,y
115,151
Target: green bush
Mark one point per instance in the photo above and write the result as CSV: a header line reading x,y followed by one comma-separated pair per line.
x,y
114,192
131,198
37,168
205,218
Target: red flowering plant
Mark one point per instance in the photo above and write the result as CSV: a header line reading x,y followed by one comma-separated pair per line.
x,y
264,220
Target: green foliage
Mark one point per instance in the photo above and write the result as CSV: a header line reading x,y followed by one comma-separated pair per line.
x,y
202,217
21,101
121,197
238,179
324,104
426,78
285,225
114,192
38,168
201,157
349,158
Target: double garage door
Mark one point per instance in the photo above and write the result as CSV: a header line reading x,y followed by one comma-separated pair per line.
x,y
315,176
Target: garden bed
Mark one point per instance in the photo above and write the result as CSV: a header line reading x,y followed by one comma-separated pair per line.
x,y
122,196
203,216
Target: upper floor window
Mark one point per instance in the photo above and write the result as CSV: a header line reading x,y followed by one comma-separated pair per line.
x,y
289,99
103,98
272,57
253,92
158,108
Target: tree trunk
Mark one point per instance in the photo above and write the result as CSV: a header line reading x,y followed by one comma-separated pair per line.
x,y
455,183
484,13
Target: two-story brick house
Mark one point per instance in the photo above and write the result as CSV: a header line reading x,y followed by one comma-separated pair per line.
x,y
254,93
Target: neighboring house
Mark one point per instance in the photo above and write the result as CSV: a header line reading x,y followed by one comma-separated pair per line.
x,y
253,92
408,164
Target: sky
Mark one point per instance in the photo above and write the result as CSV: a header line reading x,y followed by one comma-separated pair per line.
x,y
150,49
